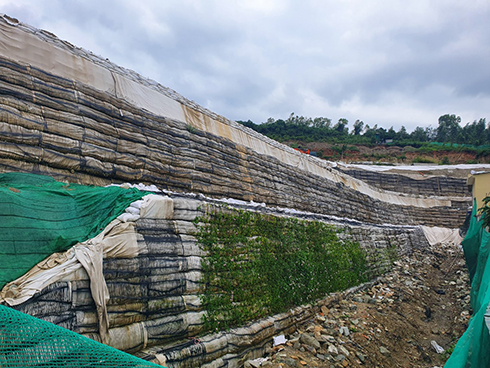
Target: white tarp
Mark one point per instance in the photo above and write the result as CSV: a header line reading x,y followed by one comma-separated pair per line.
x,y
117,240
439,235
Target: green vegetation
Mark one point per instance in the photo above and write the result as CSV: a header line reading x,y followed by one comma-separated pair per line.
x,y
422,160
258,265
485,212
449,135
445,161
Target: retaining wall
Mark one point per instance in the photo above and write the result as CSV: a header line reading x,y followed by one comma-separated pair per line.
x,y
80,118
154,308
433,185
76,117
73,132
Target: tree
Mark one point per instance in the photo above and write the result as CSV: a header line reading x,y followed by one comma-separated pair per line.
x,y
390,134
341,126
321,123
475,133
402,134
358,126
448,129
431,133
419,135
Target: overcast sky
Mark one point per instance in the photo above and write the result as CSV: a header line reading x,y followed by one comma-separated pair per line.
x,y
390,63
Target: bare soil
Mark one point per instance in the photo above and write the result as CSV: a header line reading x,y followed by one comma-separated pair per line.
x,y
389,154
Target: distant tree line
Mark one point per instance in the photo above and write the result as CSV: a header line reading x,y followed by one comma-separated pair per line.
x,y
320,129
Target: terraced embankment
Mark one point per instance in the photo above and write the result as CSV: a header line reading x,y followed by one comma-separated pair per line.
x,y
79,118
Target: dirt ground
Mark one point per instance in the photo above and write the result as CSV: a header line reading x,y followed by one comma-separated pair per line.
x,y
389,154
397,321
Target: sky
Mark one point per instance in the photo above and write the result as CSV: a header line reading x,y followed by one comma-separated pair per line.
x,y
391,62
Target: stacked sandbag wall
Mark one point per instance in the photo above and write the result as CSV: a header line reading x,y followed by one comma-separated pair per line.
x,y
428,186
155,308
73,132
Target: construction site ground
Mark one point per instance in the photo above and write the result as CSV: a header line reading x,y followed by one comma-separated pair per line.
x,y
410,317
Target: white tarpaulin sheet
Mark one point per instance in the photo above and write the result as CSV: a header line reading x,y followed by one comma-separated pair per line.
x,y
117,240
436,235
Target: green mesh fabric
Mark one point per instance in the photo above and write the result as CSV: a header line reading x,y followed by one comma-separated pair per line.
x,y
26,341
40,216
473,348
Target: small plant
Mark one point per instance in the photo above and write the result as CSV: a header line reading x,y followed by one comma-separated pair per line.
x,y
191,129
485,212
447,353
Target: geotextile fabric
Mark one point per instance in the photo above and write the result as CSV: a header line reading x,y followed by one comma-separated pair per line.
x,y
40,216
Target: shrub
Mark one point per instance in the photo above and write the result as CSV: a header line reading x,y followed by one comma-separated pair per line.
x,y
445,161
422,160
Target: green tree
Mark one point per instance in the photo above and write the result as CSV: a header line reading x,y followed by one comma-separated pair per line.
x,y
358,126
402,134
448,129
322,123
341,126
419,135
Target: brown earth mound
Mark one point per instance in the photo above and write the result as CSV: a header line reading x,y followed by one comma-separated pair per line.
x,y
389,154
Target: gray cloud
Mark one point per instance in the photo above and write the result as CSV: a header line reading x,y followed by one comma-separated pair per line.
x,y
387,63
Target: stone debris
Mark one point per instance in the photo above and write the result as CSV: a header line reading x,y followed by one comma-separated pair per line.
x,y
437,347
394,321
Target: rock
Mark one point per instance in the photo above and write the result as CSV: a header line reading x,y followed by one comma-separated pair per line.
x,y
332,350
324,310
344,351
383,350
322,338
310,328
321,356
330,338
361,357
309,340
254,363
291,362
344,331
340,357
266,364
311,349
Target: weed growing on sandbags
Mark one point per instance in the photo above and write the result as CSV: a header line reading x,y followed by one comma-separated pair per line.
x,y
258,265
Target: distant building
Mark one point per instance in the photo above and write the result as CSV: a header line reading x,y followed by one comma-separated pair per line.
x,y
479,185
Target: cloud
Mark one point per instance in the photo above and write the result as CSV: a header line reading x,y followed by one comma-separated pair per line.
x,y
386,63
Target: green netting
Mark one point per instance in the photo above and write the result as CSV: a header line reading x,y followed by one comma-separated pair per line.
x,y
40,216
473,348
26,341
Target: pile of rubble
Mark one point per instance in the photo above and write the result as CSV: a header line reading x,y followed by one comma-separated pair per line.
x,y
410,317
